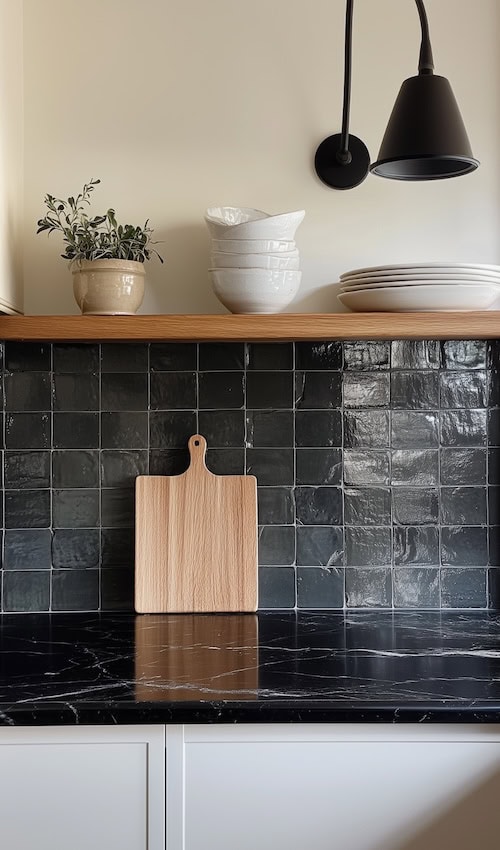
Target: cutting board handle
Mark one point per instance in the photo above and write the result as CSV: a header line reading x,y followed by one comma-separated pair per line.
x,y
197,449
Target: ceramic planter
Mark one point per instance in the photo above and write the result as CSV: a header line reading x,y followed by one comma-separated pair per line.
x,y
108,287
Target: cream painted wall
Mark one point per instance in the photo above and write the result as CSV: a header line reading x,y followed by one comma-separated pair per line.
x,y
11,155
180,104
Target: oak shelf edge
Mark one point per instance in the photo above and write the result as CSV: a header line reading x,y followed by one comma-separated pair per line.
x,y
283,327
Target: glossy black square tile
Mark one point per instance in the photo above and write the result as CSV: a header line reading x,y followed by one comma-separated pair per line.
x,y
267,428
27,431
117,548
76,430
166,430
222,356
463,466
276,545
463,389
69,357
27,356
463,428
223,428
415,466
270,356
173,356
26,591
270,466
415,390
28,470
318,355
75,590
126,391
275,506
27,549
168,461
414,429
367,355
117,590
270,390
75,549
26,391
366,389
366,467
464,546
75,468
118,507
315,390
494,466
27,509
366,428
368,547
76,391
463,354
415,505
463,588
416,545
494,427
415,354
276,587
120,468
320,588
220,390
315,428
125,430
416,588
367,506
368,588
494,546
319,546
227,462
124,357
75,508
463,505
318,505
171,391
318,466
493,578
494,388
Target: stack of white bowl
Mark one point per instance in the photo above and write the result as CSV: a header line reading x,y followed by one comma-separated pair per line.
x,y
254,258
421,286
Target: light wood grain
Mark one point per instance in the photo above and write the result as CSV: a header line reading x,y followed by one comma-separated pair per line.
x,y
196,657
196,540
252,328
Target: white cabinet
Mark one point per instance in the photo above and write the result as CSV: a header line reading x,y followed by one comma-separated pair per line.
x,y
250,787
76,789
342,788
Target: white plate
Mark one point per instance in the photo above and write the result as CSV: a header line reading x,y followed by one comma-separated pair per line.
x,y
450,280
424,272
453,266
421,298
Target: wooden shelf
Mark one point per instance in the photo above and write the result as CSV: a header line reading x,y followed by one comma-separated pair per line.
x,y
253,328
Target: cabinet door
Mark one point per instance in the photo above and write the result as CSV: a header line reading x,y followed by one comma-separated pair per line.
x,y
384,790
76,790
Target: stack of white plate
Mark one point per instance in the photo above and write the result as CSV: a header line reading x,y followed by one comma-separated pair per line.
x,y
421,286
254,259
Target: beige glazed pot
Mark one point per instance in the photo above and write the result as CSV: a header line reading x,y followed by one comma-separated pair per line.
x,y
108,287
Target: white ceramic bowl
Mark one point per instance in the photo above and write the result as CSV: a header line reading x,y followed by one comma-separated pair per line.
x,y
255,290
281,226
254,246
422,298
255,261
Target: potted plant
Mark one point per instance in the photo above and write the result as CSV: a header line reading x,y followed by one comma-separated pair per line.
x,y
106,258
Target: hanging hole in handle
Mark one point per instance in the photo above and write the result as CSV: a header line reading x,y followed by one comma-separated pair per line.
x,y
197,442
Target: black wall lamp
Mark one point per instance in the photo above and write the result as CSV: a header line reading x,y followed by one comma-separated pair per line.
x,y
425,138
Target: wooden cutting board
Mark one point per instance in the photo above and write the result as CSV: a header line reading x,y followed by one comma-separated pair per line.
x,y
195,540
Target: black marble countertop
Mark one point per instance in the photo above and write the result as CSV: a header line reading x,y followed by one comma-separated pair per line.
x,y
64,669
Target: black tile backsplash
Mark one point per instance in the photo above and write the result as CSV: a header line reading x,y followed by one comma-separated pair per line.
x,y
378,466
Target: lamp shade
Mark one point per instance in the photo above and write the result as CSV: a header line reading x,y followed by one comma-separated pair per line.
x,y
425,138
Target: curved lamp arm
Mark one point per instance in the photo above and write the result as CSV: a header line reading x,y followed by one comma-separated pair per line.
x,y
342,161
